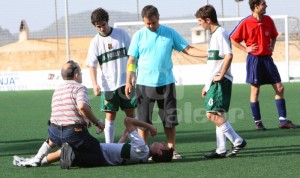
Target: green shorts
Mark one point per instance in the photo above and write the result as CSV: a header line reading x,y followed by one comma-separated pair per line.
x,y
218,96
113,100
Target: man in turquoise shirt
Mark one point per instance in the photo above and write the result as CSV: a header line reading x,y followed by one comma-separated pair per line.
x,y
151,50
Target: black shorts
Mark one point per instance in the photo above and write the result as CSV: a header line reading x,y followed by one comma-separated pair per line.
x,y
165,96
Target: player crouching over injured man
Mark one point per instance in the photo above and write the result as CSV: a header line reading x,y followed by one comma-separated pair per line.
x,y
136,151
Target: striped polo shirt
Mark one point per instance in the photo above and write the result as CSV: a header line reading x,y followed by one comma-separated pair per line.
x,y
65,102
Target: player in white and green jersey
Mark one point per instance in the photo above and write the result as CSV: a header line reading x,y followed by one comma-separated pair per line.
x,y
134,152
219,47
109,49
217,90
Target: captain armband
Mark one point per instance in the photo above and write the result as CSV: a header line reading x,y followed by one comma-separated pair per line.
x,y
131,67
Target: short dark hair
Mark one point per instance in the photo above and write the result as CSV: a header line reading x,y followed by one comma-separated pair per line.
x,y
150,11
207,11
99,15
166,156
68,73
252,3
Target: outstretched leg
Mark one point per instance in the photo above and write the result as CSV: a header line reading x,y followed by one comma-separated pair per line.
x,y
39,159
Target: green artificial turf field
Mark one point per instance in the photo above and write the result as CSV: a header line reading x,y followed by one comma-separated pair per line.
x,y
271,153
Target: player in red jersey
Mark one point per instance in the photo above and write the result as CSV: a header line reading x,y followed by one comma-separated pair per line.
x,y
259,33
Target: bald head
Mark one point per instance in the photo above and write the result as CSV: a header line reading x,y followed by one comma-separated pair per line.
x,y
69,70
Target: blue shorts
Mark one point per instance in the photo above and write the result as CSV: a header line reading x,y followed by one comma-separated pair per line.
x,y
261,70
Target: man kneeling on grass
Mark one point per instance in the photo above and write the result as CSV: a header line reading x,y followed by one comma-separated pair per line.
x,y
136,151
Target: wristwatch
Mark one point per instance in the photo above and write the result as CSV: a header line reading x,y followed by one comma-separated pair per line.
x,y
97,123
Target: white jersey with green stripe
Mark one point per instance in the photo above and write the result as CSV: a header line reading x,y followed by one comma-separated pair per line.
x,y
219,46
110,52
137,151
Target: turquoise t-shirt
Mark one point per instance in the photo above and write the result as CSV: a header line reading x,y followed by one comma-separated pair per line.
x,y
153,51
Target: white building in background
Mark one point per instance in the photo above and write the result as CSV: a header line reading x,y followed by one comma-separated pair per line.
x,y
24,31
199,35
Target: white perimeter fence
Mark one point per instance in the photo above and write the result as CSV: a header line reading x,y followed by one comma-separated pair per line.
x,y
184,74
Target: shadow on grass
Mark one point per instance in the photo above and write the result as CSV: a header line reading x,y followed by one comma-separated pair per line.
x,y
245,153
21,141
270,151
269,133
209,135
252,150
20,147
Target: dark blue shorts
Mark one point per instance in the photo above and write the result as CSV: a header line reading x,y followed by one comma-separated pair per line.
x,y
261,70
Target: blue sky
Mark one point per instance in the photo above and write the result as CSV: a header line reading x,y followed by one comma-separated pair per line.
x,y
41,13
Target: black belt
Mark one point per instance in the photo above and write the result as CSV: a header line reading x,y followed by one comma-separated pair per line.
x,y
68,126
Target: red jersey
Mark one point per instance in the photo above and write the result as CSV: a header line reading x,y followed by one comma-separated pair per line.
x,y
253,31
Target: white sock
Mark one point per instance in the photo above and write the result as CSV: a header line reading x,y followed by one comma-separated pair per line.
x,y
109,131
44,161
43,151
221,141
282,118
231,134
